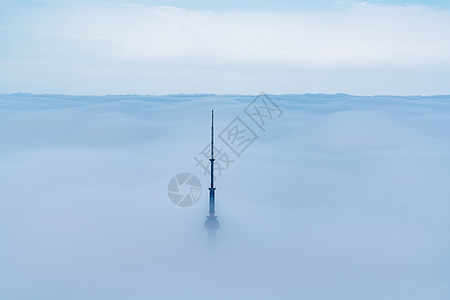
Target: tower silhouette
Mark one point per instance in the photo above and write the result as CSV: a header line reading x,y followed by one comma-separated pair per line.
x,y
211,223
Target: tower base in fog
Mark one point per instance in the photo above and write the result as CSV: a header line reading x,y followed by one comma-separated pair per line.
x,y
211,224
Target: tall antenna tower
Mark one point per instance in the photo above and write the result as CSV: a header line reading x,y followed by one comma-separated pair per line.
x,y
211,223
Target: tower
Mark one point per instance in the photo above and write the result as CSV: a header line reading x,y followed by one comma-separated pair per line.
x,y
211,223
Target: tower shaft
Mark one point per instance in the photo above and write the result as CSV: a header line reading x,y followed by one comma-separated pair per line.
x,y
211,223
212,188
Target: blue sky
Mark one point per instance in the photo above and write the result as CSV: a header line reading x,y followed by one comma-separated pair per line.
x,y
163,47
236,4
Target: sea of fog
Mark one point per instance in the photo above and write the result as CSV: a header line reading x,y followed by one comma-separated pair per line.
x,y
336,197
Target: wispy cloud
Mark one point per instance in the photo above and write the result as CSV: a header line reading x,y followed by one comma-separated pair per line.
x,y
368,35
360,36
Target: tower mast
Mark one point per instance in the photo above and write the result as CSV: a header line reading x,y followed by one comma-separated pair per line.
x,y
211,223
212,188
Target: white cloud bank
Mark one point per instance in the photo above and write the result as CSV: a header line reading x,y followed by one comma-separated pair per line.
x,y
341,198
173,50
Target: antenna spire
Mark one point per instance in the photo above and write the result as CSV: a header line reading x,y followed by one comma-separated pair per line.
x,y
212,195
212,149
211,223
